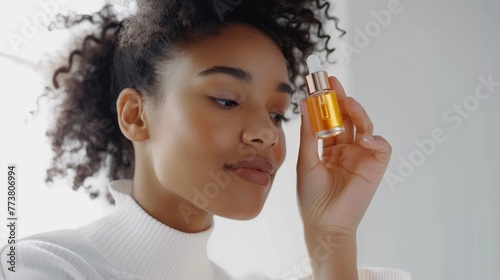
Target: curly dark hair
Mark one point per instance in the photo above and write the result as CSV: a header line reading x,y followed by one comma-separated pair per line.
x,y
125,52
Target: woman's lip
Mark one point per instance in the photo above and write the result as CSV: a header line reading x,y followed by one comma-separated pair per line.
x,y
251,175
257,163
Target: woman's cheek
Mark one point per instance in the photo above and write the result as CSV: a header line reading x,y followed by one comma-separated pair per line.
x,y
214,133
280,150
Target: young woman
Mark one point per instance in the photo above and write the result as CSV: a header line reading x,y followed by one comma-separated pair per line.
x,y
183,103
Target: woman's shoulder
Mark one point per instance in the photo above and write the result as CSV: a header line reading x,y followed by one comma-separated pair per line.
x,y
54,243
47,255
37,256
61,254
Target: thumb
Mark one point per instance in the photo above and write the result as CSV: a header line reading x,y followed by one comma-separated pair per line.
x,y
308,150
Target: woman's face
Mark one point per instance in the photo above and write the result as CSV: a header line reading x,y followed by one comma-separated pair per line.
x,y
216,139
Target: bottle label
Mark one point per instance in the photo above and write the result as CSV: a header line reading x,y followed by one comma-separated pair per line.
x,y
325,113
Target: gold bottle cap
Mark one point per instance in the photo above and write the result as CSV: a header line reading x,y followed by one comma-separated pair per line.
x,y
317,81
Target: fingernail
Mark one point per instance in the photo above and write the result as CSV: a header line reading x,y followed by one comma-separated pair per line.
x,y
367,138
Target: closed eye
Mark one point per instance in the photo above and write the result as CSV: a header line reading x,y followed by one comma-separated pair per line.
x,y
224,103
227,103
279,119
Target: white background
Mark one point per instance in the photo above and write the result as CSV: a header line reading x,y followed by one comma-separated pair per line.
x,y
440,222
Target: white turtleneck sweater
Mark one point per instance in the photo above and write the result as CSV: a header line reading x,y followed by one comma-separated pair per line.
x,y
128,244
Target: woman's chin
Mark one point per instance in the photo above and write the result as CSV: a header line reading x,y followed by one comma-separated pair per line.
x,y
241,213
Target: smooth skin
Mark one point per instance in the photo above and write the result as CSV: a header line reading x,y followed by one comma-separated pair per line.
x,y
206,121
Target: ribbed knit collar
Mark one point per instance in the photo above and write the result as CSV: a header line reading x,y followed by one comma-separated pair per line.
x,y
134,242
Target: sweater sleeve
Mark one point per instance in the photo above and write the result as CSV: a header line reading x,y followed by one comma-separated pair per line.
x,y
375,273
42,261
372,273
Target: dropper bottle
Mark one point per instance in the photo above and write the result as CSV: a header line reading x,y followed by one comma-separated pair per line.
x,y
322,101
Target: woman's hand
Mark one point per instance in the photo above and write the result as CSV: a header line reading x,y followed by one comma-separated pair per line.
x,y
335,190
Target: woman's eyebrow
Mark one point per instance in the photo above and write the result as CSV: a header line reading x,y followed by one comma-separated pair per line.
x,y
241,75
237,73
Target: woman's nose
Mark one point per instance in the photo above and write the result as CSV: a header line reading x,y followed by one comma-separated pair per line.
x,y
260,134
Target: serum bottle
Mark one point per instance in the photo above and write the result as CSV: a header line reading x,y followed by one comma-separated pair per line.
x,y
322,101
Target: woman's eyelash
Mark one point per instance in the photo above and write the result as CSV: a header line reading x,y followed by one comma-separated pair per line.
x,y
280,118
227,103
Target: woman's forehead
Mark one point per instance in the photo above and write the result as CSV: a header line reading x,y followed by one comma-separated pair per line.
x,y
239,46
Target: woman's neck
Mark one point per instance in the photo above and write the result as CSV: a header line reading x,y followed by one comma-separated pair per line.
x,y
169,208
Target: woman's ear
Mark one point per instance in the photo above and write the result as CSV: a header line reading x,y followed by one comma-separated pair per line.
x,y
131,115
